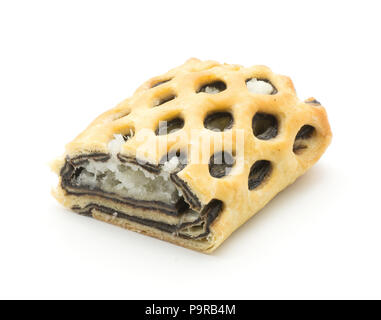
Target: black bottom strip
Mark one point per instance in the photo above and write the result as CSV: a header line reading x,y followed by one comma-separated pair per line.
x,y
180,207
210,213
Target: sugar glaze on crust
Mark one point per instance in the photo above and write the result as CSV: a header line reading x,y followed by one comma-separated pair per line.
x,y
201,204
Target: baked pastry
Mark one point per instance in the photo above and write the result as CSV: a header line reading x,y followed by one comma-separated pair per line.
x,y
194,153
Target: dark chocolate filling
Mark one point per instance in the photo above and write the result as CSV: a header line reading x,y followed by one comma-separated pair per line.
x,y
305,132
167,127
174,210
313,101
144,164
103,157
218,85
210,213
220,164
188,195
219,121
265,126
258,173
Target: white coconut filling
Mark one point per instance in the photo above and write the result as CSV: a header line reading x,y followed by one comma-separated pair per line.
x,y
212,90
259,86
171,165
129,180
115,145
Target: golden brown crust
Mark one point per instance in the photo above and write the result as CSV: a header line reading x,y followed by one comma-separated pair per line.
x,y
140,114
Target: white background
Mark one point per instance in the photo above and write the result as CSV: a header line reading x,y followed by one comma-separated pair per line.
x,y
64,62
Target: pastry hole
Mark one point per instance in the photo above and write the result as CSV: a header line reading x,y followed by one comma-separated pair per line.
x,y
312,101
171,126
219,121
220,164
259,172
304,134
127,135
213,87
265,126
260,86
160,82
160,101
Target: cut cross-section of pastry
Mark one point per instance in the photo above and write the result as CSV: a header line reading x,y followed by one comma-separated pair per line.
x,y
194,153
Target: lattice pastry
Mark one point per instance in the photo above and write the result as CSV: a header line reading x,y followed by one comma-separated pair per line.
x,y
194,153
